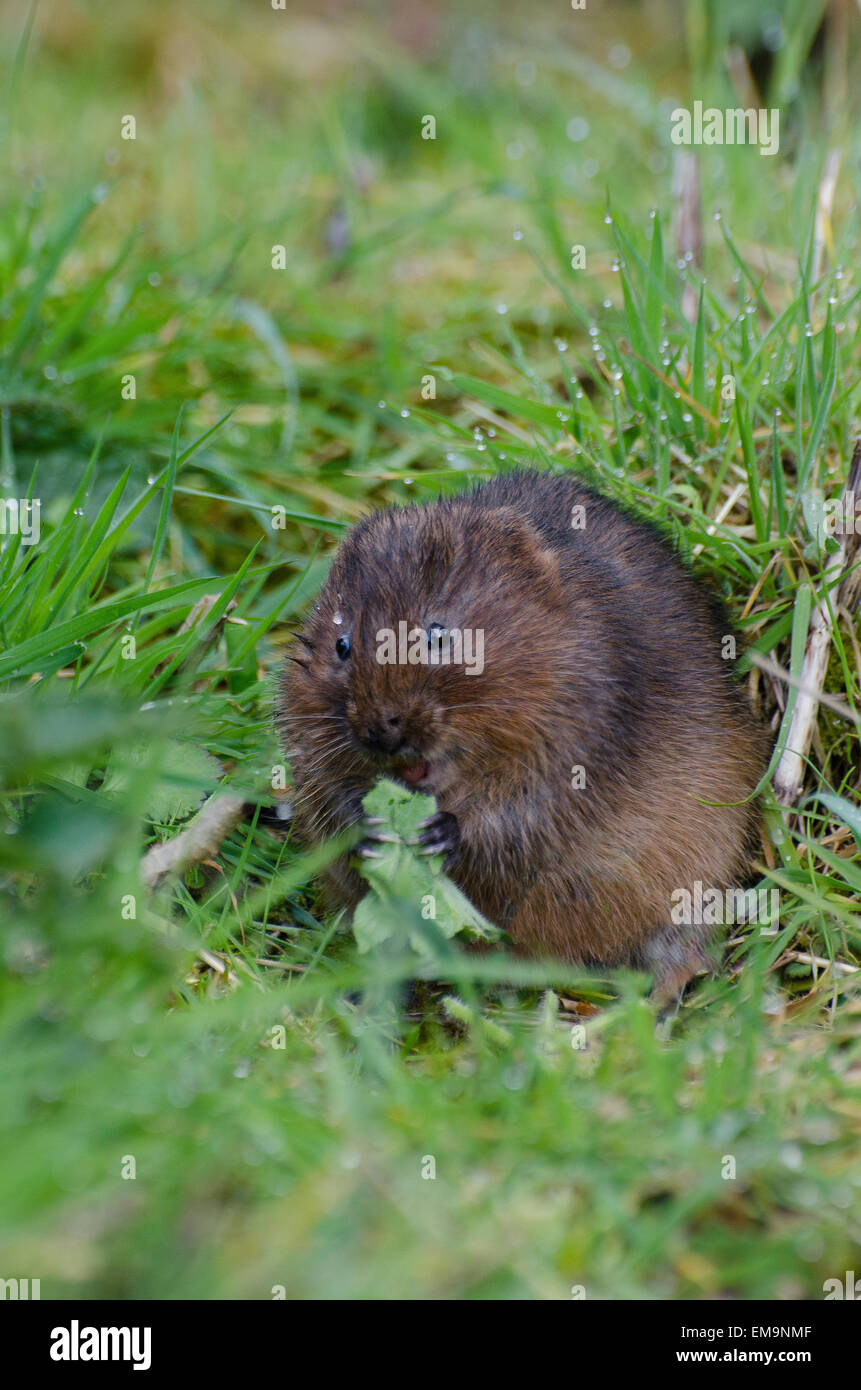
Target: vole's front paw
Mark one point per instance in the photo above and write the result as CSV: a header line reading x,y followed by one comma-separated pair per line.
x,y
440,834
369,847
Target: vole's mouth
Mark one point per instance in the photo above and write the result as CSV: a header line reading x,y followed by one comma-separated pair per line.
x,y
414,773
426,775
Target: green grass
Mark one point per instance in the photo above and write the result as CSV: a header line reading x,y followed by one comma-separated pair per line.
x,y
279,1093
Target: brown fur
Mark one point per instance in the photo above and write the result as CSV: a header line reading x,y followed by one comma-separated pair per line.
x,y
601,650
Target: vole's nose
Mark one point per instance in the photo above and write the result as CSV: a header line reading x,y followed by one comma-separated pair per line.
x,y
384,734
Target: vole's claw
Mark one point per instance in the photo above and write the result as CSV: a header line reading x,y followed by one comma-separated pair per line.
x,y
440,834
368,846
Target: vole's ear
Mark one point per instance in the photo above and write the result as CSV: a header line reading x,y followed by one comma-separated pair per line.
x,y
526,547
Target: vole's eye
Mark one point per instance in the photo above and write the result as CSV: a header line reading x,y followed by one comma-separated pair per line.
x,y
436,632
343,647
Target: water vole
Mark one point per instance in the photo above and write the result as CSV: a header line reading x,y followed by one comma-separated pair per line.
x,y
573,746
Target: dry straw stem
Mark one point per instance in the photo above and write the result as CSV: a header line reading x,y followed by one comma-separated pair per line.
x,y
789,776
822,234
198,841
780,673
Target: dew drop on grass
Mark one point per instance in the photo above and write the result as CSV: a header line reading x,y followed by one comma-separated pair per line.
x,y
791,1156
154,279
502,308
50,373
381,405
405,414
517,234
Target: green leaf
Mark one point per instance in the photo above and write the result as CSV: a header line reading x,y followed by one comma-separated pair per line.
x,y
174,794
402,877
842,809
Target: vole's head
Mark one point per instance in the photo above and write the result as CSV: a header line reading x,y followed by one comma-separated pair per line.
x,y
433,652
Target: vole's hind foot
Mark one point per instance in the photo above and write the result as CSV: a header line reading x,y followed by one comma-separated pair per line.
x,y
674,960
440,834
